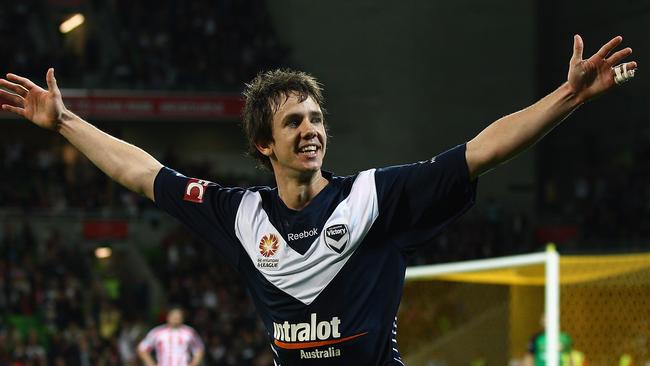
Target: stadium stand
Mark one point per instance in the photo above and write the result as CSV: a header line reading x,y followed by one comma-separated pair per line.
x,y
210,45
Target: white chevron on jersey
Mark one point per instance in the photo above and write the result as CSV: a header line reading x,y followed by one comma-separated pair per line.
x,y
305,276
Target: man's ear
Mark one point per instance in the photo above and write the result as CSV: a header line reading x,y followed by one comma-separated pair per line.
x,y
265,148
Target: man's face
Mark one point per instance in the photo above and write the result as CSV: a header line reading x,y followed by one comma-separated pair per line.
x,y
175,318
299,138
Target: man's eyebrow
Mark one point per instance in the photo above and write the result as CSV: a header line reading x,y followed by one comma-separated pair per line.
x,y
291,116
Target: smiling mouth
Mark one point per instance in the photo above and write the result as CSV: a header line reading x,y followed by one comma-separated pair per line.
x,y
308,150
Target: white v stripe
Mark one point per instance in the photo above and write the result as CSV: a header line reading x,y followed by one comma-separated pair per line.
x,y
305,276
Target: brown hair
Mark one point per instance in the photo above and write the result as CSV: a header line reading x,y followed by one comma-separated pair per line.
x,y
263,97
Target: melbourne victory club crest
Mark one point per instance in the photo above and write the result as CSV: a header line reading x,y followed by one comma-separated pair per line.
x,y
269,245
337,237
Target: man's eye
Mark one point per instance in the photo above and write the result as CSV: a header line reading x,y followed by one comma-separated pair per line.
x,y
293,122
317,120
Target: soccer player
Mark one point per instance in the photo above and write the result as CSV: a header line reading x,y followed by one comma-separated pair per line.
x,y
173,343
323,256
536,352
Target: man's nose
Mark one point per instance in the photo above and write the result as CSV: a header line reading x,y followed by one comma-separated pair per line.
x,y
308,128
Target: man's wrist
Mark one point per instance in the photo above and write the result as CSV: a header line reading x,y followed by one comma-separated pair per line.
x,y
572,96
64,120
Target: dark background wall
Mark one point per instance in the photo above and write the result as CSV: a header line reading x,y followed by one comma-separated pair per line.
x,y
614,124
406,80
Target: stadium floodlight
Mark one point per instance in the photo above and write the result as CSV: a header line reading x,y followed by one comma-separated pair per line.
x,y
71,23
103,252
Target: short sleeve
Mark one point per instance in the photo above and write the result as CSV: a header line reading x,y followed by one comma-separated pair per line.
x,y
206,208
196,344
417,201
147,343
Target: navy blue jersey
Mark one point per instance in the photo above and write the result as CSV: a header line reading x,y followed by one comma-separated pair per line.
x,y
327,280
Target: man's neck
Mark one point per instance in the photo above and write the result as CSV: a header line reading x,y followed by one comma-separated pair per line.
x,y
296,192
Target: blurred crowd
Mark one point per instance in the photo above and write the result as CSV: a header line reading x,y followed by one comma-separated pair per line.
x,y
59,305
47,314
55,178
203,44
485,231
605,196
52,311
189,43
215,299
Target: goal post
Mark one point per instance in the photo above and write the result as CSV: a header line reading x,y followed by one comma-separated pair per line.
x,y
487,310
552,304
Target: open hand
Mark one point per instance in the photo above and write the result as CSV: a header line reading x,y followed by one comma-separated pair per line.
x,y
593,76
43,107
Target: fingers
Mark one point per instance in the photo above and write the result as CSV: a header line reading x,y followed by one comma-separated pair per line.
x,y
609,46
12,109
13,99
618,56
578,46
14,87
24,82
629,66
624,72
51,81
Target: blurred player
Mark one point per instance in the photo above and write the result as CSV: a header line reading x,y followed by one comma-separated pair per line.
x,y
173,343
323,256
536,353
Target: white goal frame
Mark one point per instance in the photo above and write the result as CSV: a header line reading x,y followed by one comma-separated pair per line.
x,y
551,261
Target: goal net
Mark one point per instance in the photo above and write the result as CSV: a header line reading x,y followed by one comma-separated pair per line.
x,y
485,312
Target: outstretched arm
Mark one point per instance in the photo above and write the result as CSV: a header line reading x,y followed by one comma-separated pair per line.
x,y
514,133
126,164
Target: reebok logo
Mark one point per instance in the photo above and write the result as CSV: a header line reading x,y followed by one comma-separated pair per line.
x,y
336,237
302,235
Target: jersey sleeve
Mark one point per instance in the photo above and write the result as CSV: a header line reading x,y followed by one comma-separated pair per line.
x,y
148,342
196,344
417,201
206,208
